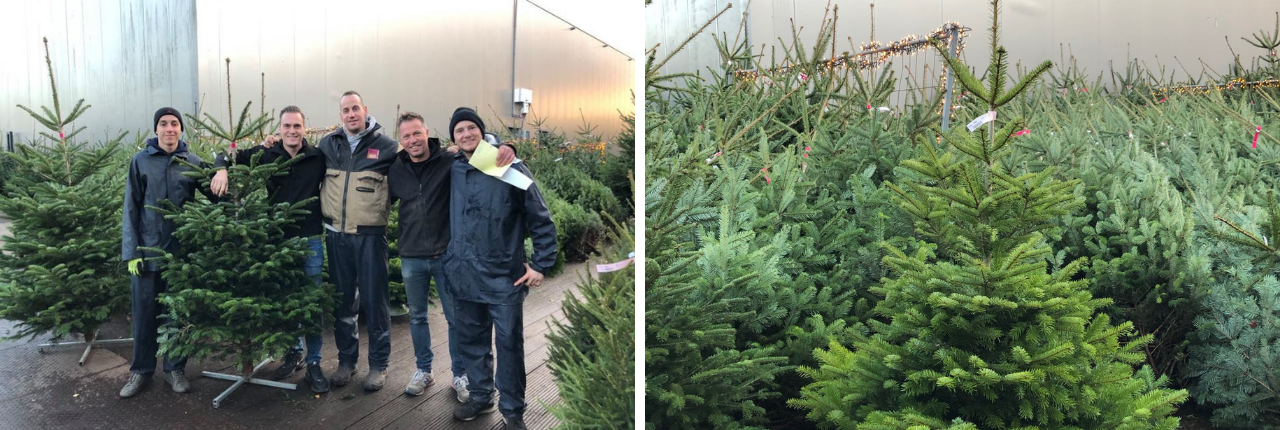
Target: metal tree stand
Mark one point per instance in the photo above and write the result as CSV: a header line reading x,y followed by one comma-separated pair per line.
x,y
241,380
88,345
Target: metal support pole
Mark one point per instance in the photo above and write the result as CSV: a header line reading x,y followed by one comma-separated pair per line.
x,y
954,44
241,380
87,345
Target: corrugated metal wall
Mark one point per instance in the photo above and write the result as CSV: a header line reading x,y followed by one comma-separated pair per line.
x,y
126,58
427,57
1098,32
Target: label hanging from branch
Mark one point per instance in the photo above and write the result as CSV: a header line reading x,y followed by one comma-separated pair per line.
x,y
1255,137
979,121
1024,131
614,267
765,170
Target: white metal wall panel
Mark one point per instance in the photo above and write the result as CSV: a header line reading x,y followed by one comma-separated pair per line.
x,y
1101,34
126,58
427,57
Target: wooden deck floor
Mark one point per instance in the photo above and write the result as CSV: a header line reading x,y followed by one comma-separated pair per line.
x,y
50,390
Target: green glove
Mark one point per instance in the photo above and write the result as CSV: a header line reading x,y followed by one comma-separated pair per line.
x,y
135,266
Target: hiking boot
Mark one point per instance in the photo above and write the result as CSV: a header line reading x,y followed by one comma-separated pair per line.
x,y
418,385
471,409
342,376
292,362
315,376
137,382
514,422
178,380
460,388
375,380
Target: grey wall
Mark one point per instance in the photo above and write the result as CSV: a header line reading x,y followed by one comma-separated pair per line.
x,y
428,57
126,58
1098,32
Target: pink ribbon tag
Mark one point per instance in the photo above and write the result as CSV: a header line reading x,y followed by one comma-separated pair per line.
x,y
1255,136
868,107
62,136
806,152
1024,131
233,146
1084,90
766,175
804,77
614,267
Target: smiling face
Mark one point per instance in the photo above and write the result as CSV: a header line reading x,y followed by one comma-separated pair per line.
x,y
413,137
352,113
168,130
467,135
291,126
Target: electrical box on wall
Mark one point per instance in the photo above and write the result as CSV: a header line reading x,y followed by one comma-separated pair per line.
x,y
523,98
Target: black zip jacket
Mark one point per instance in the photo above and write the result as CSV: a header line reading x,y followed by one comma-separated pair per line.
x,y
424,202
154,176
301,183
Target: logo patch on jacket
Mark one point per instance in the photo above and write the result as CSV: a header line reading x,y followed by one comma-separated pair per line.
x,y
372,154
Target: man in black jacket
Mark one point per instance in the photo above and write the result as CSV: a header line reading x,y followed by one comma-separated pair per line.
x,y
419,179
490,274
155,176
302,182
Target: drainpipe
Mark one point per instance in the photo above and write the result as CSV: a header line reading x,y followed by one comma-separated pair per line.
x,y
515,8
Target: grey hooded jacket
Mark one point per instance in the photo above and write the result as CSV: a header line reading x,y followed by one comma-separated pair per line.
x,y
154,177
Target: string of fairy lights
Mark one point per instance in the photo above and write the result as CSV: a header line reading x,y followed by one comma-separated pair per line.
x,y
873,54
1234,84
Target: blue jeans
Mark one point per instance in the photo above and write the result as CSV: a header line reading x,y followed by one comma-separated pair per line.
x,y
417,273
313,266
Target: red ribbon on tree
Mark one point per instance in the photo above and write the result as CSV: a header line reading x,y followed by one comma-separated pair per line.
x,y
1024,131
806,152
766,175
233,146
1255,136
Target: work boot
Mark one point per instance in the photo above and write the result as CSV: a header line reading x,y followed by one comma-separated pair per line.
x,y
471,409
375,380
137,382
419,383
460,388
315,376
514,422
178,380
292,362
342,376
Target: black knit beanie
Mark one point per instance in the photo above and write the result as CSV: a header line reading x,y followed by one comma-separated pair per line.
x,y
464,114
155,123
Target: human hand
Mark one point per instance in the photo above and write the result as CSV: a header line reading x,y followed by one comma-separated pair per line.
x,y
218,186
453,149
135,266
531,277
270,140
505,155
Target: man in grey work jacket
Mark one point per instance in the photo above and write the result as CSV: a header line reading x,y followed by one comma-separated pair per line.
x,y
353,200
489,220
155,176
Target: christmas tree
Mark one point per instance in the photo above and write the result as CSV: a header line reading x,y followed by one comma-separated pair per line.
x,y
592,354
977,330
238,289
61,271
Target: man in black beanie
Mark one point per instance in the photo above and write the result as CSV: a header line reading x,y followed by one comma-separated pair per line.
x,y
155,174
490,274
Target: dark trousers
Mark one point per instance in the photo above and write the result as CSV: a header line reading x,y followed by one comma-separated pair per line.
x,y
147,313
358,265
476,324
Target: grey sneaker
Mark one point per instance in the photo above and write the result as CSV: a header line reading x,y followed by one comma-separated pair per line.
x,y
178,380
375,380
460,388
137,382
342,376
418,385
